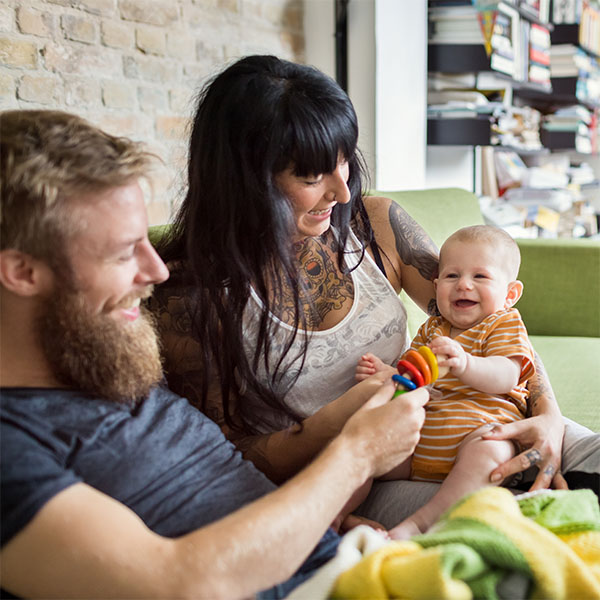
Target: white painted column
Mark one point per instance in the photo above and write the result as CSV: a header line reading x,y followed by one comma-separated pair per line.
x,y
387,81
401,94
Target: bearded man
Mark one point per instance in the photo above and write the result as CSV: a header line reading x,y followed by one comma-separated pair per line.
x,y
112,486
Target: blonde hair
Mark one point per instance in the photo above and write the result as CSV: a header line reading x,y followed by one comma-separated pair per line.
x,y
492,236
46,158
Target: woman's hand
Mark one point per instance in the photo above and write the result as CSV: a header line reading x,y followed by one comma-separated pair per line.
x,y
541,437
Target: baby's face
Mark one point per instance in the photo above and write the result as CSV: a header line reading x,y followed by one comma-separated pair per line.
x,y
472,283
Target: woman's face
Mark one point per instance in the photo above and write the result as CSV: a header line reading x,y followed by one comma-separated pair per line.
x,y
313,197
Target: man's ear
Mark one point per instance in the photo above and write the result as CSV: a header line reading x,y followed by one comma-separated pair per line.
x,y
514,292
22,274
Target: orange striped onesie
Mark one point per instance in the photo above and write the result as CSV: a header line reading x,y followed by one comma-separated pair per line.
x,y
460,409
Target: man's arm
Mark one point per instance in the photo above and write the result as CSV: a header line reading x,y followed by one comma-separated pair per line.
x,y
83,543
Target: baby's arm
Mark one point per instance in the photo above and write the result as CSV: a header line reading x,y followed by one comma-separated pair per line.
x,y
369,364
490,374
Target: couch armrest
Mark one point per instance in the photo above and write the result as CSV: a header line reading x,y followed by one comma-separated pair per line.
x,y
561,278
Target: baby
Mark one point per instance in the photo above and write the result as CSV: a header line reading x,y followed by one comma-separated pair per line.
x,y
483,342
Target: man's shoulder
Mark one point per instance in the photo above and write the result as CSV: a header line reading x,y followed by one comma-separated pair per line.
x,y
71,407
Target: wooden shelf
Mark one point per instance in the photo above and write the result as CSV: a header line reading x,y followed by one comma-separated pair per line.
x,y
560,140
563,91
459,132
522,151
569,34
472,58
457,58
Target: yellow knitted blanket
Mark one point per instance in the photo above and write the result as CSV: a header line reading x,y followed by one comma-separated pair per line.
x,y
551,540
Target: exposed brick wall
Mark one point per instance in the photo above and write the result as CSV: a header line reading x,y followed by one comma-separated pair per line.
x,y
133,67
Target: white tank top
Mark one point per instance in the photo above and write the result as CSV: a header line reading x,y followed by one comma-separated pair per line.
x,y
376,323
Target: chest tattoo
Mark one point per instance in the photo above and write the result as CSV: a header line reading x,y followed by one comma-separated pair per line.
x,y
324,289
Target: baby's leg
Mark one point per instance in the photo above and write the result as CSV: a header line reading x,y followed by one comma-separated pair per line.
x,y
346,521
369,364
402,471
475,460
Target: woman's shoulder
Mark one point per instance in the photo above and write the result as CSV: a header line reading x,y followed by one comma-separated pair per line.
x,y
377,208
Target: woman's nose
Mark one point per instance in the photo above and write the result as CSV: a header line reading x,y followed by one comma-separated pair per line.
x,y
339,184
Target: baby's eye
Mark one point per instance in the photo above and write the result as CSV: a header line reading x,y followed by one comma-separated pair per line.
x,y
452,275
480,276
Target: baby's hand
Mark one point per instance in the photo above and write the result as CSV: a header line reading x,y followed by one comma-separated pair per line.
x,y
368,365
456,359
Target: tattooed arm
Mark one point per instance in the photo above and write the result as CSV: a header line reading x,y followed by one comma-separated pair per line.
x,y
279,455
410,257
540,436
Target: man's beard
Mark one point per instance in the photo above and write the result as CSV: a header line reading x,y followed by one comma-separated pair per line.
x,y
95,353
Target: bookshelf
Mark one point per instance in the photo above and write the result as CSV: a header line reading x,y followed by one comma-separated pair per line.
x,y
524,65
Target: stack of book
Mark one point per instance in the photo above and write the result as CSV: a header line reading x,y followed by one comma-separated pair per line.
x,y
571,126
451,24
589,28
539,54
538,9
503,57
568,60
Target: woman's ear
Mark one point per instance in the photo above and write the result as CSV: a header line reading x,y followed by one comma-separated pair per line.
x,y
514,292
22,274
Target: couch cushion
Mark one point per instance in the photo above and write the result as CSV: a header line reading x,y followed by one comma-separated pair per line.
x,y
561,294
439,211
571,363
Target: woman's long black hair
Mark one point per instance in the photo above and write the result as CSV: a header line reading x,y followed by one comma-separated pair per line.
x,y
234,228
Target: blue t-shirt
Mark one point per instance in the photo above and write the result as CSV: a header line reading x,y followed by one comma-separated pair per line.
x,y
162,458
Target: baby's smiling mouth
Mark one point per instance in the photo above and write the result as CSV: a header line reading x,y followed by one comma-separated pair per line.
x,y
464,303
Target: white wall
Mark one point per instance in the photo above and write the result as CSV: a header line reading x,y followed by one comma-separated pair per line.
x,y
387,81
454,166
362,77
401,94
319,30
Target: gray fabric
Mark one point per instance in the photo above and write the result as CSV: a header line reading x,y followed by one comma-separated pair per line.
x,y
390,502
581,449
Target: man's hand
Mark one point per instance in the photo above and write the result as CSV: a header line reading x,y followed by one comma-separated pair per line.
x,y
541,438
385,432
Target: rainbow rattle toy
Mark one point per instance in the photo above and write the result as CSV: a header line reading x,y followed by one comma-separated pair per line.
x,y
417,368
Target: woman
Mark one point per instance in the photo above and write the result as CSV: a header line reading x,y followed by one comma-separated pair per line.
x,y
283,274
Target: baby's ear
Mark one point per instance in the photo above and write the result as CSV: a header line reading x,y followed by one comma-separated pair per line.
x,y
514,292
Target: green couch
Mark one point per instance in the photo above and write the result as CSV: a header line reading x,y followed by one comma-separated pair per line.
x,y
560,303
